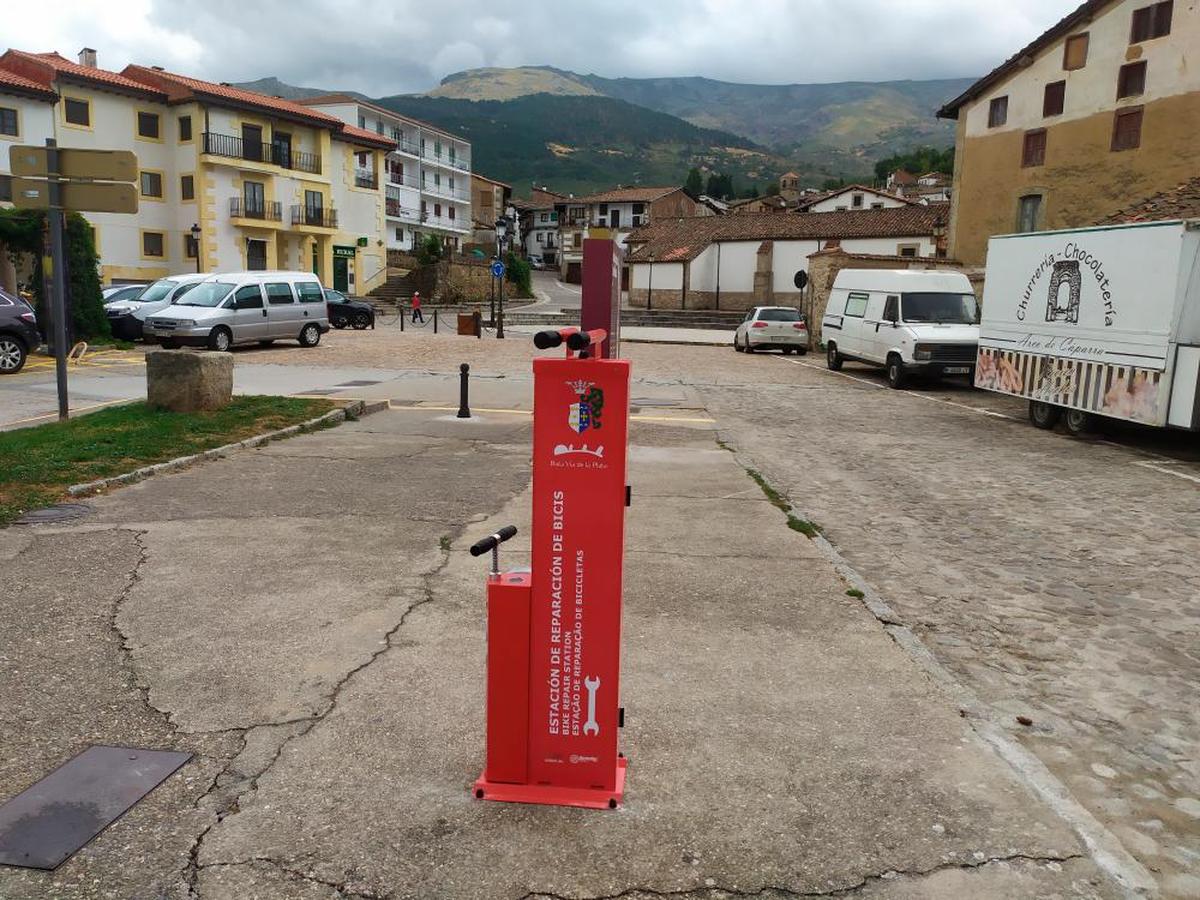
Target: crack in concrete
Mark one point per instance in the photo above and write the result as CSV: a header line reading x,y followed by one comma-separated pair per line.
x,y
232,806
342,887
715,891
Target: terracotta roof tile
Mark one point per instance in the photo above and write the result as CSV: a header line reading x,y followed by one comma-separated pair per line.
x,y
11,80
807,202
354,134
54,65
625,195
683,239
181,87
1180,202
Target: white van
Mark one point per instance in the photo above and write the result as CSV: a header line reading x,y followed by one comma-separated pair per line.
x,y
242,308
127,317
912,322
1096,322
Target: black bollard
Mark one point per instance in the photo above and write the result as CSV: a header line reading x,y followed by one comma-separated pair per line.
x,y
402,314
435,321
464,409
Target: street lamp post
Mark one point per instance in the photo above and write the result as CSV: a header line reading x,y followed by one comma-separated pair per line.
x,y
501,235
650,289
196,245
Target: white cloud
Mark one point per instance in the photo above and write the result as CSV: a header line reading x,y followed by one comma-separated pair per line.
x,y
397,46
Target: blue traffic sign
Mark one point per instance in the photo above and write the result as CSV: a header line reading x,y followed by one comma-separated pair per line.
x,y
497,269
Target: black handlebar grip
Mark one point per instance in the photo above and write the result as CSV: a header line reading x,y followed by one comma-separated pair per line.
x,y
493,540
544,340
578,341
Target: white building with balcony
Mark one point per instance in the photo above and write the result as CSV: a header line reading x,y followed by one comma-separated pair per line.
x,y
427,178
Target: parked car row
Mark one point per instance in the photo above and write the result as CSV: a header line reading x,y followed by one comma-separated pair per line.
x,y
18,333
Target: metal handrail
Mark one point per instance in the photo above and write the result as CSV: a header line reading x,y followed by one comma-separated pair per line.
x,y
366,180
314,215
268,210
282,155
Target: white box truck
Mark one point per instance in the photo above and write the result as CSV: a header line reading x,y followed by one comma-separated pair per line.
x,y
1095,321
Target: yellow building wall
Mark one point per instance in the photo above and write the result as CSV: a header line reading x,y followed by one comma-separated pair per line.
x,y
1082,181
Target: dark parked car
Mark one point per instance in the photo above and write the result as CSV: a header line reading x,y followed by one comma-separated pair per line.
x,y
18,333
346,311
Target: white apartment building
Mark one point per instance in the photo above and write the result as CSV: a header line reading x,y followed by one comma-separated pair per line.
x,y
541,233
854,196
427,176
269,183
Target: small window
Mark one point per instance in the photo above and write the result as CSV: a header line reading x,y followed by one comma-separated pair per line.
x,y
278,293
877,205
450,212
907,249
856,201
856,304
362,122
576,240
1028,213
1054,98
437,210
639,208
541,238
1151,22
147,125
248,297
152,184
379,126
310,292
8,121
396,134
77,112
1127,129
187,187
998,112
152,244
891,309
185,129
1033,151
1075,52
1131,80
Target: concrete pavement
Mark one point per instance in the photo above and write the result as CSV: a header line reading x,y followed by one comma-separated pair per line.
x,y
305,618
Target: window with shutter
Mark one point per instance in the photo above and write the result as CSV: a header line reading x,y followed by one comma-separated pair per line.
x,y
1033,152
1151,22
1054,98
998,112
1127,129
1131,80
1075,52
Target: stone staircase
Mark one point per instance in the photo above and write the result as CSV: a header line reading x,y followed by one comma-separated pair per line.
x,y
397,290
652,318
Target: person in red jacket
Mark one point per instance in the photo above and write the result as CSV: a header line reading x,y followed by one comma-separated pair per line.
x,y
416,308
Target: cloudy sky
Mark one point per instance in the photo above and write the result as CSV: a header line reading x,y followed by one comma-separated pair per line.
x,y
384,47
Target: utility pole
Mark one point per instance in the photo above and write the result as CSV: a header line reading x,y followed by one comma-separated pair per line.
x,y
54,280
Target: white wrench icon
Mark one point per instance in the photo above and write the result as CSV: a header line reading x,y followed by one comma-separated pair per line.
x,y
590,726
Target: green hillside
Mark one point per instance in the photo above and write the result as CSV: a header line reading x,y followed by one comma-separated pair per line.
x,y
584,143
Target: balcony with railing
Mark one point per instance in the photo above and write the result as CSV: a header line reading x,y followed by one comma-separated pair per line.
x,y
406,146
446,223
315,216
233,147
399,178
397,210
441,190
366,180
262,210
463,165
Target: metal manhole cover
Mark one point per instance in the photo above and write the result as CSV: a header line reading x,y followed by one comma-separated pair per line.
x,y
61,512
44,825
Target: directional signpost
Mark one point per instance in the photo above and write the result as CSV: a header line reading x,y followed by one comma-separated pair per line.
x,y
68,180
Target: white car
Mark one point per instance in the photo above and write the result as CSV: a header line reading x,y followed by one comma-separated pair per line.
x,y
127,317
911,322
772,328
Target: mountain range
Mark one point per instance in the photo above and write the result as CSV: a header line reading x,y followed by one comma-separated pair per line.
x,y
577,132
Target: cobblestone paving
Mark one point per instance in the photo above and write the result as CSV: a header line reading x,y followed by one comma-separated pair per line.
x,y
1057,578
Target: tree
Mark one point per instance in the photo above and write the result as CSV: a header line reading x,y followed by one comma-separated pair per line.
x,y
694,184
430,250
517,271
917,162
21,232
720,186
832,184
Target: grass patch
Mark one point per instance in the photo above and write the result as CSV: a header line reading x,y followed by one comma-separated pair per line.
x,y
444,542
37,465
805,527
794,522
855,593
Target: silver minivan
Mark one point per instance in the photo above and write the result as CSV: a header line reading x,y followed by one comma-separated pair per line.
x,y
245,307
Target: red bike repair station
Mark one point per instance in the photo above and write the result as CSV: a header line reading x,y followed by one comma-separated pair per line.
x,y
554,632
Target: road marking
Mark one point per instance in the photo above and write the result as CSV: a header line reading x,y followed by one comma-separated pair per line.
x,y
73,412
877,385
1160,467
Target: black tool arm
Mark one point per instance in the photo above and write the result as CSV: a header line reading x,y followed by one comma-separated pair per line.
x,y
492,541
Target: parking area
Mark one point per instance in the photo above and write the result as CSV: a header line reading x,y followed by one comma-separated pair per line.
x,y
1053,578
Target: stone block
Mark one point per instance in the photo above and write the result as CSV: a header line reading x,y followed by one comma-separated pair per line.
x,y
188,380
